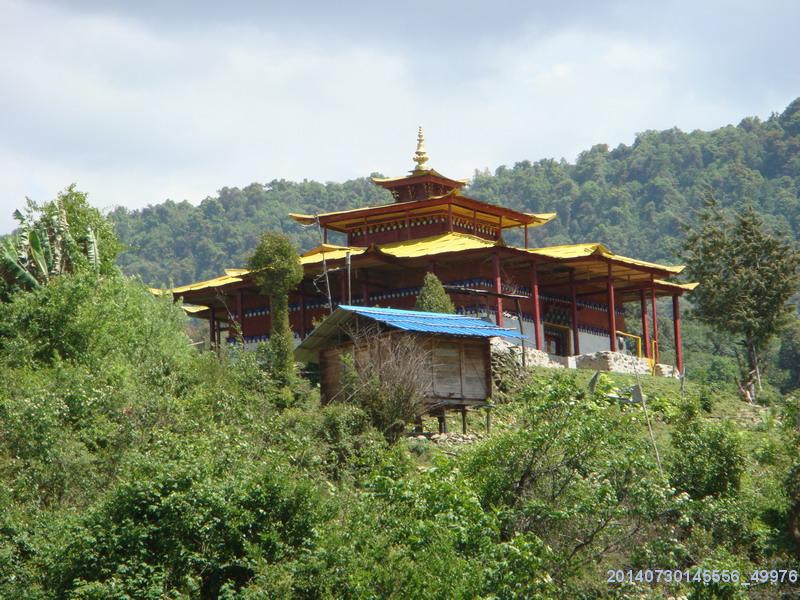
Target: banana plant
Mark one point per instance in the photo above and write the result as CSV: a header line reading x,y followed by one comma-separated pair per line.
x,y
10,259
45,249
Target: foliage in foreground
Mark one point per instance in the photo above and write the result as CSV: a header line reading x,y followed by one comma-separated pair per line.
x,y
133,466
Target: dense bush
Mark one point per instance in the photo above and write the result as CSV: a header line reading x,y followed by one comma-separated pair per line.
x,y
707,459
134,465
186,527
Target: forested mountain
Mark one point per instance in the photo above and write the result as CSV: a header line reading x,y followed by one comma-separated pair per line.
x,y
632,198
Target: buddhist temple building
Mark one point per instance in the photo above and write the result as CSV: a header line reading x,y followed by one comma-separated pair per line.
x,y
567,300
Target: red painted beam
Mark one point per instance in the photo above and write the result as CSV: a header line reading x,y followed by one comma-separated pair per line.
x,y
498,288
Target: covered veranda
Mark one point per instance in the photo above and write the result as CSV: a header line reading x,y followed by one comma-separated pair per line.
x,y
571,294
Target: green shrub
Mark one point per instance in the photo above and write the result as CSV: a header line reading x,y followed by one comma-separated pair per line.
x,y
433,297
186,527
706,459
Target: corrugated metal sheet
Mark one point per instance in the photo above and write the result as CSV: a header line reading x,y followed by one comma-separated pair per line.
x,y
428,322
329,330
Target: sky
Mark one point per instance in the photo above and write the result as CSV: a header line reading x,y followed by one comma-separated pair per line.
x,y
141,101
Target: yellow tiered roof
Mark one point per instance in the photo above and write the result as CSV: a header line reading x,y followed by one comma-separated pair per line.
x,y
436,244
329,252
577,251
590,261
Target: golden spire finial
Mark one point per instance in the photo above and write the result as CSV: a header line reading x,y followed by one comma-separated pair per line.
x,y
420,156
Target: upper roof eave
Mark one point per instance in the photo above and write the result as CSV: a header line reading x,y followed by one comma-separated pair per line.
x,y
417,175
514,218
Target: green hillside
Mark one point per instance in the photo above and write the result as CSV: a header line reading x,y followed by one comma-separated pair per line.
x,y
137,464
134,466
633,198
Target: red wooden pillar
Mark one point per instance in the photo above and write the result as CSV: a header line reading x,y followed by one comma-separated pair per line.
x,y
612,311
343,286
655,319
537,309
240,314
576,344
676,320
526,236
645,327
498,287
450,217
212,326
324,235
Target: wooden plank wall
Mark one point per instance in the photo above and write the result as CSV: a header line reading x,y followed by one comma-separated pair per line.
x,y
459,368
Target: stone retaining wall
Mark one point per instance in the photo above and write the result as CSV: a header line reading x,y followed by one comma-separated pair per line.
x,y
507,362
613,362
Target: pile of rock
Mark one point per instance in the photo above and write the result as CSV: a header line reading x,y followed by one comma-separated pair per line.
x,y
453,438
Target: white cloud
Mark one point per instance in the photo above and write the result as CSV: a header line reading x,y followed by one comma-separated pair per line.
x,y
139,110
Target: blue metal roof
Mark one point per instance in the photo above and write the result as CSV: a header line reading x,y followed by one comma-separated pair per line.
x,y
408,320
431,322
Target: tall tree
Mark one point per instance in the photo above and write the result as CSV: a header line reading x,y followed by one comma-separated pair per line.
x,y
747,277
433,297
277,270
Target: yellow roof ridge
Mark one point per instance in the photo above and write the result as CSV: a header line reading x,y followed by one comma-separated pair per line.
x,y
193,308
416,174
675,269
684,286
593,247
330,248
445,234
330,252
208,283
436,244
547,217
303,218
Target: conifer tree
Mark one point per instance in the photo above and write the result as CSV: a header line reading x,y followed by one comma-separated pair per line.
x,y
433,298
277,270
747,276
